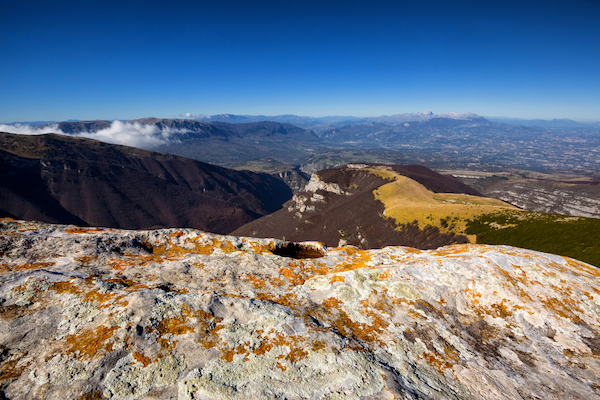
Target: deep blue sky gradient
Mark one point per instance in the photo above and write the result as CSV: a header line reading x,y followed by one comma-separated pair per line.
x,y
126,60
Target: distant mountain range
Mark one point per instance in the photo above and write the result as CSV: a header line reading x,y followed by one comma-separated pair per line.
x,y
544,123
324,123
319,124
437,140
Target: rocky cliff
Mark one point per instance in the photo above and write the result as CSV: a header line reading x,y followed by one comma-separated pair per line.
x,y
177,313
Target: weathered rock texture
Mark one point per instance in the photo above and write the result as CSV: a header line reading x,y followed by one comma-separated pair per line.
x,y
101,313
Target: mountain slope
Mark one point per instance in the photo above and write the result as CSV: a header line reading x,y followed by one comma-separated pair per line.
x,y
371,206
56,178
339,206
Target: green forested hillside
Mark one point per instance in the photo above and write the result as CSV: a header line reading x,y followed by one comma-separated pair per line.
x,y
575,237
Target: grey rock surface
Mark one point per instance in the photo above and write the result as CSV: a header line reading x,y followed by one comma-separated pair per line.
x,y
179,313
582,200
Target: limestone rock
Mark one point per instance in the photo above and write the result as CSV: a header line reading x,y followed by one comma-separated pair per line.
x,y
178,313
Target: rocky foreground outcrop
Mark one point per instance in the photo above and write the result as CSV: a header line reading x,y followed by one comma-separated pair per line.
x,y
101,313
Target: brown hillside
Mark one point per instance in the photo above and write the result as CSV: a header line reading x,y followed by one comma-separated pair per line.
x,y
339,206
60,179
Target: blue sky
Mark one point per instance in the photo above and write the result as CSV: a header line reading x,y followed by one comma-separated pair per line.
x,y
133,59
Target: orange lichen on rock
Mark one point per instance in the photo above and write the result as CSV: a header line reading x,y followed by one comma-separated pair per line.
x,y
142,358
359,259
287,300
77,229
129,284
366,333
224,245
256,282
65,287
260,248
293,274
91,342
564,308
25,266
9,369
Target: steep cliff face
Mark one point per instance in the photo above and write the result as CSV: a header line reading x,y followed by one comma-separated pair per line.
x,y
178,313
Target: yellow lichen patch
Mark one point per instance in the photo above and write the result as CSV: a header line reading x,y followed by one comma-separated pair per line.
x,y
318,345
77,229
25,266
174,326
579,266
123,264
287,300
65,287
336,278
367,333
224,245
294,278
384,274
281,367
96,296
256,282
128,283
499,310
260,248
564,307
142,358
228,355
358,260
475,296
9,369
294,343
437,362
205,327
91,342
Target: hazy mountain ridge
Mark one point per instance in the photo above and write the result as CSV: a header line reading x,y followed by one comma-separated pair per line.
x,y
460,140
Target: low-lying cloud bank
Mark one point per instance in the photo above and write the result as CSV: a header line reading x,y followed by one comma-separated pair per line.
x,y
125,133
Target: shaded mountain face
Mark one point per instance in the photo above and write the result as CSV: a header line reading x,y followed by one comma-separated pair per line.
x,y
62,179
179,313
263,128
338,206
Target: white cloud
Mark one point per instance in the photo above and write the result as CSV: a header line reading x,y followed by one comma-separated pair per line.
x,y
29,130
193,116
125,133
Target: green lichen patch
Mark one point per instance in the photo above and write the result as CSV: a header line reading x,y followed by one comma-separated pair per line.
x,y
352,376
131,379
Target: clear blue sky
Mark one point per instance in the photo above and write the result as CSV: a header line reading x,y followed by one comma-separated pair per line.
x,y
131,59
